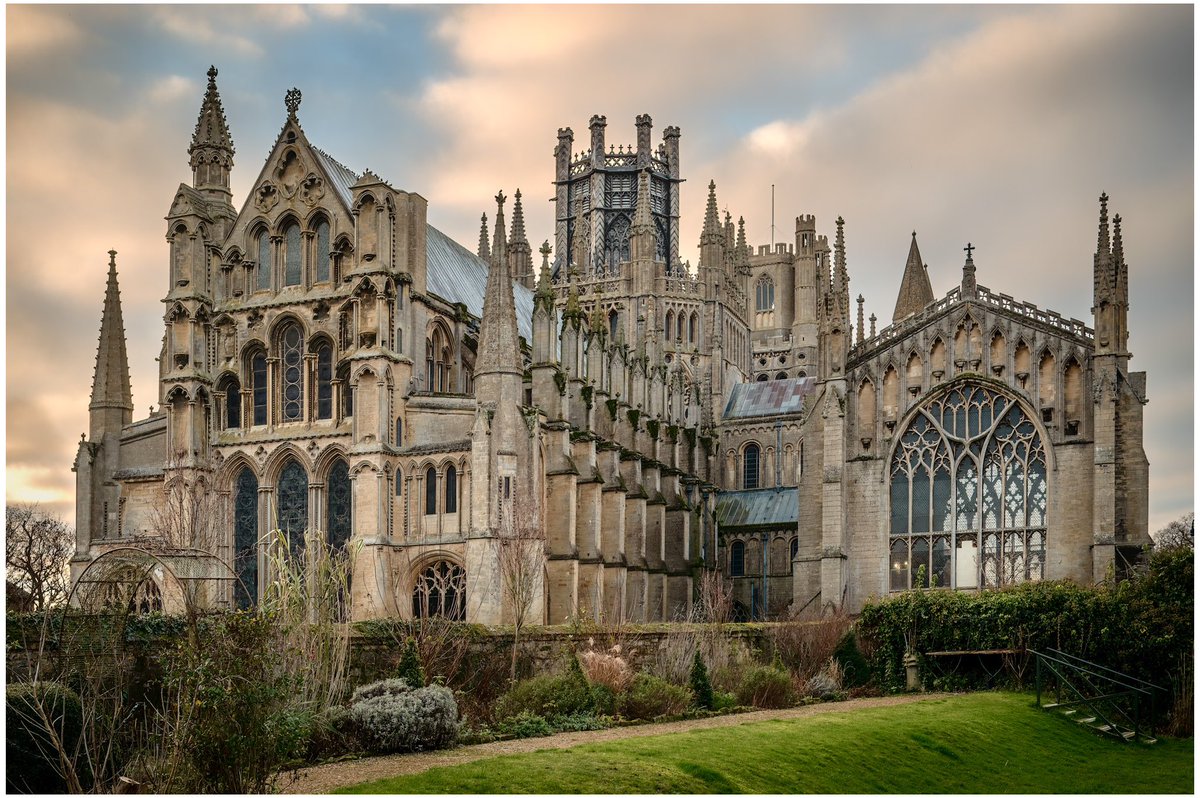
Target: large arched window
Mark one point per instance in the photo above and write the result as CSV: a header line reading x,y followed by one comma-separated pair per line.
x,y
737,558
430,491
441,591
292,252
245,539
292,375
258,383
437,361
968,495
324,380
750,457
291,497
764,294
337,492
263,270
321,273
451,489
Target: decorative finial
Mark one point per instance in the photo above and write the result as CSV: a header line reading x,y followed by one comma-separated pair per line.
x,y
212,74
545,250
914,233
968,249
292,101
112,258
500,198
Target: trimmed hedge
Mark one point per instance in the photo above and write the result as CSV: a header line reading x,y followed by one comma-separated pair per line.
x,y
1142,626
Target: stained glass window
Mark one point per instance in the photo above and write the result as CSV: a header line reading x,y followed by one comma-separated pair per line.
x,y
324,380
441,591
291,497
233,403
322,270
291,254
293,375
337,490
430,491
764,295
258,377
993,509
245,539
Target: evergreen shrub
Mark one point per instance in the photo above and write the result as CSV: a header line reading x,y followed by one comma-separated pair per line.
x,y
392,721
702,692
766,687
546,696
650,697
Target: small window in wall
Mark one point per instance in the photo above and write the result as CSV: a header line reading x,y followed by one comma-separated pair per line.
x,y
737,558
399,439
612,324
324,381
258,377
431,491
263,270
793,550
451,489
750,458
321,273
291,256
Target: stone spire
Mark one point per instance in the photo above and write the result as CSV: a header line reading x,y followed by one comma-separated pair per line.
x,y
859,339
873,320
110,383
544,295
211,152
517,234
1102,247
485,249
712,233
915,291
1120,271
499,353
520,254
969,289
841,278
643,237
742,258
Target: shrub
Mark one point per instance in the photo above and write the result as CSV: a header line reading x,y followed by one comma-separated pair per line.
x,y
723,701
410,665
766,687
650,697
604,700
380,688
805,647
702,692
32,760
546,696
827,681
856,671
332,733
578,722
526,724
410,720
607,668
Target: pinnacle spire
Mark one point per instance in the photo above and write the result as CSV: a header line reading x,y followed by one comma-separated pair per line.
x,y
212,130
859,339
841,279
485,249
544,295
969,286
915,291
499,347
712,232
499,242
1120,271
1102,247
110,382
517,235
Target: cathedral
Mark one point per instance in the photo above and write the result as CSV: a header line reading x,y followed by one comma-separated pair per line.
x,y
336,369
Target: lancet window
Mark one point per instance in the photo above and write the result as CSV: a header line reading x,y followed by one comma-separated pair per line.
x,y
750,457
321,273
292,382
291,496
263,271
324,406
245,539
337,492
968,495
764,294
292,251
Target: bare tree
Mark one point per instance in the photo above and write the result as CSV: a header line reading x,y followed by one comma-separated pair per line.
x,y
1179,534
37,553
520,547
714,600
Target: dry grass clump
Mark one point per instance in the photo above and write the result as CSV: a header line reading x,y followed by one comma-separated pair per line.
x,y
805,647
609,668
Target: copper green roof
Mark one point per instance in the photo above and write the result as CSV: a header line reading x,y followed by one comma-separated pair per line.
x,y
765,507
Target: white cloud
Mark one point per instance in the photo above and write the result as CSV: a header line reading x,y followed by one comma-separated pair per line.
x,y
34,30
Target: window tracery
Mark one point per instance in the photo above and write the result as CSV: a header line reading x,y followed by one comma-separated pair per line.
x,y
337,491
764,294
291,357
291,254
968,495
292,500
441,591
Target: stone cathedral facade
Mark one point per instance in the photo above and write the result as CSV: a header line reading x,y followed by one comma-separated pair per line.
x,y
333,367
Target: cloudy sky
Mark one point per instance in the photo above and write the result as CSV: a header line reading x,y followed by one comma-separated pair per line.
x,y
995,125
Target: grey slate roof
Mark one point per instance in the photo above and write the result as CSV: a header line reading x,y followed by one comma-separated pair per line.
x,y
765,507
453,272
459,275
770,398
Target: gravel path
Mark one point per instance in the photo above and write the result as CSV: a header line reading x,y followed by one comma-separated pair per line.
x,y
326,778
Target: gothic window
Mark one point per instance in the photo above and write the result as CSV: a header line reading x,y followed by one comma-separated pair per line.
x,y
337,491
451,489
233,402
321,273
737,558
612,324
793,550
399,440
264,262
292,252
258,382
324,380
763,377
616,241
292,375
431,491
750,458
291,497
437,361
399,347
670,324
968,495
781,375
764,294
441,592
245,539
693,329
343,376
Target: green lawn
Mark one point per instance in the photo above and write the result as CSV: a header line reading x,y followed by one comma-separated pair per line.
x,y
978,743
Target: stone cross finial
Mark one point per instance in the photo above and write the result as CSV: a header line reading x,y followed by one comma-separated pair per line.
x,y
545,250
212,73
292,101
968,249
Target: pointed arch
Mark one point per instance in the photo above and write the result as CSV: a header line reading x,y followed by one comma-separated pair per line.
x,y
321,268
1021,360
289,337
891,392
245,536
1072,396
998,352
1047,382
915,372
866,408
263,263
322,346
751,466
937,359
231,415
338,504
